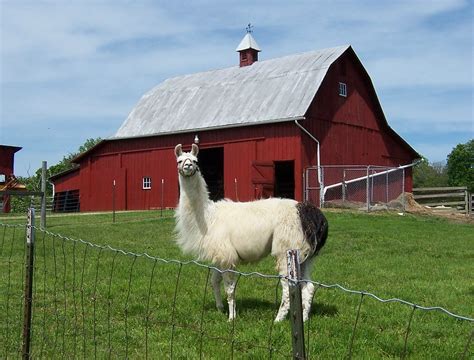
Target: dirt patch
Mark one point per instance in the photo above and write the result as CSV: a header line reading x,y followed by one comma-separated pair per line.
x,y
445,212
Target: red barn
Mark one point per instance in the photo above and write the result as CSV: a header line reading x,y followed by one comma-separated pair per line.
x,y
259,126
7,179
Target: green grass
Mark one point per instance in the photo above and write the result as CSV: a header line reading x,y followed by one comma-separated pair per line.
x,y
90,302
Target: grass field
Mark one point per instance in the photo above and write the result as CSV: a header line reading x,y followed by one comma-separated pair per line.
x,y
93,302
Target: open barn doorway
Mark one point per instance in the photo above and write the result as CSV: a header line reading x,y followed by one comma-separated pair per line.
x,y
285,179
211,163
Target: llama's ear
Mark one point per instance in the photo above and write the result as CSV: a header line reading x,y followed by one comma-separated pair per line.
x,y
178,150
194,150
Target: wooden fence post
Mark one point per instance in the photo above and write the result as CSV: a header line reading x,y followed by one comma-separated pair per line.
x,y
466,202
30,243
296,307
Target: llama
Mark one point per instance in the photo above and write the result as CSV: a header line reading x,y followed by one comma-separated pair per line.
x,y
227,233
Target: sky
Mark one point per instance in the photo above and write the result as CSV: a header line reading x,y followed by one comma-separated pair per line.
x,y
73,70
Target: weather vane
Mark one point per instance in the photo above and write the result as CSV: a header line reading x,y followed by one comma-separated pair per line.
x,y
249,28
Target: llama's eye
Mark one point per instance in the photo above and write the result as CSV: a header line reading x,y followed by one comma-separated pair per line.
x,y
180,161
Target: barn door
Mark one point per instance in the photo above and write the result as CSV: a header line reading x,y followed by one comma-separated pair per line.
x,y
263,179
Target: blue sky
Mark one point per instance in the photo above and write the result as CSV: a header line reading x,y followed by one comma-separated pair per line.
x,y
73,70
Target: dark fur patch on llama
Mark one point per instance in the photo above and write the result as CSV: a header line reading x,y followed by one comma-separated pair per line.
x,y
315,226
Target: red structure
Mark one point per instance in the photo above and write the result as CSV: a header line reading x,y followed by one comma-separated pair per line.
x,y
7,179
242,160
248,50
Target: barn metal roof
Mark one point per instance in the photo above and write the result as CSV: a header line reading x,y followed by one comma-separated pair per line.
x,y
267,91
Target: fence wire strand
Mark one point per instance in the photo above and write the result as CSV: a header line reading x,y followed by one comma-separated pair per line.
x,y
201,322
109,300
147,313
351,343
83,283
408,332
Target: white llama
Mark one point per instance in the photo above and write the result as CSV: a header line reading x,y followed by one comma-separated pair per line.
x,y
227,233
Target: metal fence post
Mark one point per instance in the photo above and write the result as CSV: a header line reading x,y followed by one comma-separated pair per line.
x,y
113,201
343,185
368,189
403,191
43,197
321,186
296,307
30,244
236,190
162,196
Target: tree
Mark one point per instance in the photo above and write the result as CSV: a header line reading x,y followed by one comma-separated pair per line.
x,y
460,165
66,162
427,174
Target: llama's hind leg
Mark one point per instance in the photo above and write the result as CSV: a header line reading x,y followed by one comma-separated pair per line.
x,y
285,294
229,286
216,286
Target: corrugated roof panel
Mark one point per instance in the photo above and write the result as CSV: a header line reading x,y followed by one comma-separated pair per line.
x,y
266,91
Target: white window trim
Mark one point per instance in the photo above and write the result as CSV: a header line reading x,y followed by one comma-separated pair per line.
x,y
146,183
342,89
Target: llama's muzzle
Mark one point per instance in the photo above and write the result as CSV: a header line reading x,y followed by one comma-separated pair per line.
x,y
188,168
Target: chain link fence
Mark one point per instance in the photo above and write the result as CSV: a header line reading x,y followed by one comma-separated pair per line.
x,y
352,186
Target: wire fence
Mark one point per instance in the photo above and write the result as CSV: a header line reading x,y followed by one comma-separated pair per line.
x,y
96,301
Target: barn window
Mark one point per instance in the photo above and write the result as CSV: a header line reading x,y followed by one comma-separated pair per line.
x,y
342,89
146,183
2,178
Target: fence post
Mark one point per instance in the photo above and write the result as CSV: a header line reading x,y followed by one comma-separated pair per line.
x,y
113,201
368,189
471,202
162,196
296,308
466,202
403,191
43,197
30,243
343,185
321,186
236,190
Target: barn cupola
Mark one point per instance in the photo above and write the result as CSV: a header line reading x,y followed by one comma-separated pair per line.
x,y
248,49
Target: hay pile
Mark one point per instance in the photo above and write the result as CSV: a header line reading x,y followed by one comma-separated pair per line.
x,y
411,205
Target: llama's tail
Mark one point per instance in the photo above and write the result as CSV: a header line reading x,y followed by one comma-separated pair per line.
x,y
315,227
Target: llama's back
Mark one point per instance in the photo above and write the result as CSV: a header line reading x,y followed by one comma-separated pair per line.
x,y
257,228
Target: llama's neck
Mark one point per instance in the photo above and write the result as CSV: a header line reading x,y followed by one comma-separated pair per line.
x,y
193,203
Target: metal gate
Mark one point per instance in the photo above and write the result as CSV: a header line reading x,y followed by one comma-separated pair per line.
x,y
355,186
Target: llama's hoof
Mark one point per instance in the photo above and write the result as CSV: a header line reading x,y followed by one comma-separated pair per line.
x,y
279,319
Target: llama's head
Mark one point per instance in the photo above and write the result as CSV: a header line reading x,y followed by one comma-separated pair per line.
x,y
187,161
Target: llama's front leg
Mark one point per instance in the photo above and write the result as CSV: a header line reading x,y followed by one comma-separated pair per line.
x,y
216,286
285,301
307,290
229,285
